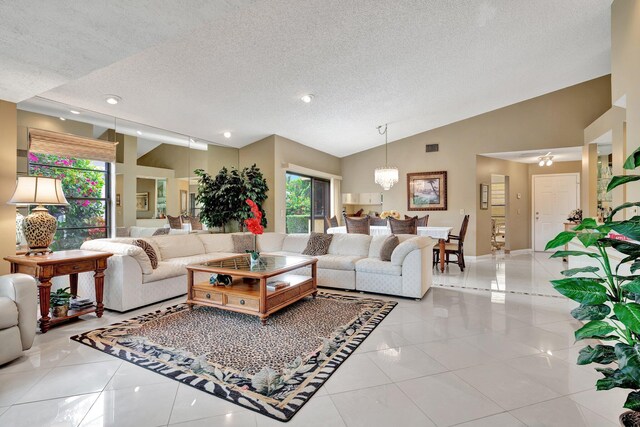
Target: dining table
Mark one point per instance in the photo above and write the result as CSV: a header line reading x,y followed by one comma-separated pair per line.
x,y
440,233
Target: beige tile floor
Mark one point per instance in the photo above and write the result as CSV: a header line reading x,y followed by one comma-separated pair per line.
x,y
460,356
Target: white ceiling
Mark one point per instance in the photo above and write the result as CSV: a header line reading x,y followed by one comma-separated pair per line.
x,y
564,154
243,66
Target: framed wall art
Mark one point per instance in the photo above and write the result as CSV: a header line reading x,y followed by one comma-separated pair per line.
x,y
484,196
142,201
427,191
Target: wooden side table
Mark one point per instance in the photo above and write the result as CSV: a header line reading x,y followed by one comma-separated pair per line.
x,y
46,267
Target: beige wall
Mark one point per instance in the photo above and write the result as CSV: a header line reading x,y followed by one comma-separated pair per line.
x,y
262,153
8,138
625,76
218,157
182,160
518,222
554,120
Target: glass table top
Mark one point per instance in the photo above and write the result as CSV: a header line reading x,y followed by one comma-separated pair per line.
x,y
267,263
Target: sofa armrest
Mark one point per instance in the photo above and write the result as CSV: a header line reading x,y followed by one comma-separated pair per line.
x,y
22,289
124,249
409,245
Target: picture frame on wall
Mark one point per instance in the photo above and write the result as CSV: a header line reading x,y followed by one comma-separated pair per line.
x,y
117,199
484,196
142,201
427,191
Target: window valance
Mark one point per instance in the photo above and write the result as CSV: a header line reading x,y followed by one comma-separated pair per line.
x,y
66,145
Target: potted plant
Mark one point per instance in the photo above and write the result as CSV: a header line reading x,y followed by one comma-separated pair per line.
x,y
608,296
223,196
59,301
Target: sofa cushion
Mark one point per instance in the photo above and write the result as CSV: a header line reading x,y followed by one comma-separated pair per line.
x,y
390,243
243,242
376,244
162,231
350,244
377,266
270,242
165,270
318,244
338,262
295,243
8,313
154,245
218,242
178,246
149,250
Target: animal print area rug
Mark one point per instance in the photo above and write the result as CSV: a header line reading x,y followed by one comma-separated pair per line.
x,y
272,369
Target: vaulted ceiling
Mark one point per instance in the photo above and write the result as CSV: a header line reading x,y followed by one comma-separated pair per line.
x,y
204,67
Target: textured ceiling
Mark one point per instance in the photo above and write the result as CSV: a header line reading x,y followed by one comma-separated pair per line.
x,y
415,64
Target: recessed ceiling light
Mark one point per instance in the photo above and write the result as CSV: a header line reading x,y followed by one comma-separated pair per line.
x,y
227,134
306,98
112,99
63,119
139,132
74,112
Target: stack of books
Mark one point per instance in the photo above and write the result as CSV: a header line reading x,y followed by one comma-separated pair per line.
x,y
80,303
277,284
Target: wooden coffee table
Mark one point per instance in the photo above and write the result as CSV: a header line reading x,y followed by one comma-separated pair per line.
x,y
249,293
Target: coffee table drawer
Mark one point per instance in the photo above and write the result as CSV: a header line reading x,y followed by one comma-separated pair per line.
x,y
243,302
78,267
207,296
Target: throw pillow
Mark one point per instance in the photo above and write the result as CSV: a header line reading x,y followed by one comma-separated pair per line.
x,y
242,243
318,244
388,246
148,249
161,231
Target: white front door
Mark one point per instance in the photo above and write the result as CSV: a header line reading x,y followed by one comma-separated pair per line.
x,y
554,196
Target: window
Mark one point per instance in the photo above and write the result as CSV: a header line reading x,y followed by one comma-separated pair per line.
x,y
86,186
308,202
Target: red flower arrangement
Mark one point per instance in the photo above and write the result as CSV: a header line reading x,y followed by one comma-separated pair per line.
x,y
254,225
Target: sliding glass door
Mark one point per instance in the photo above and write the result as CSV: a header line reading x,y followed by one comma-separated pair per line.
x,y
308,202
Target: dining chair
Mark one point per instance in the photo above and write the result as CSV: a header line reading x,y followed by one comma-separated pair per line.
x,y
422,222
403,226
175,222
376,220
357,225
454,246
195,223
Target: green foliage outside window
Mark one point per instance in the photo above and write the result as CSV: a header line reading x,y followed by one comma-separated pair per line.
x,y
84,186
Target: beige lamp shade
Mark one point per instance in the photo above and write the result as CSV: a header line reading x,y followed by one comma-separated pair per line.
x,y
38,190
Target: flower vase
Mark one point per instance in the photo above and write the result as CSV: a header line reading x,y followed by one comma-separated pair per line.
x,y
254,260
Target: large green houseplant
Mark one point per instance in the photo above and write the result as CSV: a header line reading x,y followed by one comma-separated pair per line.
x,y
608,298
223,197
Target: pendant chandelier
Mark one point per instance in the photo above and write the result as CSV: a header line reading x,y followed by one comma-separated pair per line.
x,y
386,176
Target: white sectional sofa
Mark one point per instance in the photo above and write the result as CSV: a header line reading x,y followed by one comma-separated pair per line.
x,y
352,263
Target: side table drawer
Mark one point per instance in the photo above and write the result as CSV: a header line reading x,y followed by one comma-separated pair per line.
x,y
243,302
207,296
77,267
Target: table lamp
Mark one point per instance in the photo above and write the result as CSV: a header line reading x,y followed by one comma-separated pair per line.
x,y
39,227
